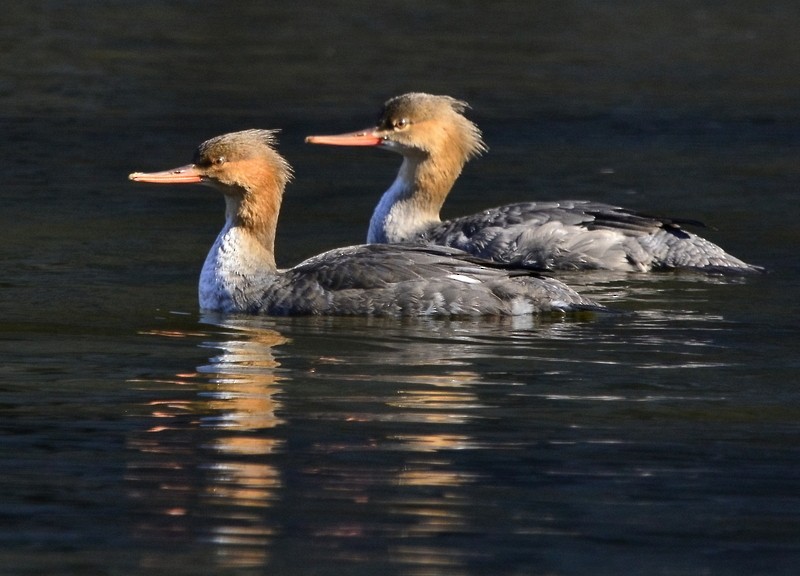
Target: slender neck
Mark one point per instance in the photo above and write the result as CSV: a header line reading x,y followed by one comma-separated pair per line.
x,y
413,201
241,263
254,218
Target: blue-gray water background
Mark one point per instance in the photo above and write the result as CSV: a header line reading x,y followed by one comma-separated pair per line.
x,y
140,437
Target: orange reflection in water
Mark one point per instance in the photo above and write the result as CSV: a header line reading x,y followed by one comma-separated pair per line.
x,y
202,471
381,469
422,496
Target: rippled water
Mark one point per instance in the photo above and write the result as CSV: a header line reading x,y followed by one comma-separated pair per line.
x,y
140,437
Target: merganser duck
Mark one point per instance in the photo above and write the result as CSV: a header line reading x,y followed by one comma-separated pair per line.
x,y
436,140
240,273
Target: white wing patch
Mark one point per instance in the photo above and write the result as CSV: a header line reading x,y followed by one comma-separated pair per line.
x,y
464,278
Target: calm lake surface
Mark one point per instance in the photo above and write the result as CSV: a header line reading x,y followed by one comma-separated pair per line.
x,y
139,436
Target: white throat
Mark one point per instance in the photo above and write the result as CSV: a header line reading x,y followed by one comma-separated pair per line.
x,y
235,272
398,217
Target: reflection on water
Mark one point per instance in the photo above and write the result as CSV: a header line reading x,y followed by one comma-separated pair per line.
x,y
401,450
217,491
244,374
221,463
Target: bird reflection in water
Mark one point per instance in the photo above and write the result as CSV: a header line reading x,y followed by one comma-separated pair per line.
x,y
399,410
370,453
202,473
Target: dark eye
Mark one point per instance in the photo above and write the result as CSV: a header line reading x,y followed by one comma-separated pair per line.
x,y
401,123
219,160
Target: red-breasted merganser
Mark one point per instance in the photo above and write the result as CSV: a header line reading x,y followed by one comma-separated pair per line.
x,y
240,274
436,140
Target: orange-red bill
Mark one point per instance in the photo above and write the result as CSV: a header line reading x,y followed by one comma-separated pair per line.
x,y
360,138
184,175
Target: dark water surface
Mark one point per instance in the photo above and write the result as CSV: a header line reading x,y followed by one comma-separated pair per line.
x,y
138,436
